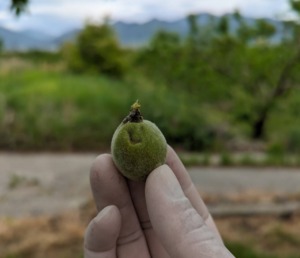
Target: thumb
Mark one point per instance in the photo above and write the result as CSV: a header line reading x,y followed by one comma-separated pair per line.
x,y
177,224
102,233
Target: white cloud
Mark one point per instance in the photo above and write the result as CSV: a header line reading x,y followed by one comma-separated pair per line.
x,y
141,10
76,11
265,8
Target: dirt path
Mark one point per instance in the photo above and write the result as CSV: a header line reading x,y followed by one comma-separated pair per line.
x,y
46,183
236,180
34,184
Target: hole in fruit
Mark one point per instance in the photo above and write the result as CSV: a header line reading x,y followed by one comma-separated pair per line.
x,y
133,137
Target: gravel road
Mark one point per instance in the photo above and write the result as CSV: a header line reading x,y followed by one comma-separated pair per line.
x,y
35,184
235,180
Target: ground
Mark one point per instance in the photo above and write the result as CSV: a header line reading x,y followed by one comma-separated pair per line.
x,y
49,195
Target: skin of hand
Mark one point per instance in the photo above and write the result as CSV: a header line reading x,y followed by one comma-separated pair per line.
x,y
162,217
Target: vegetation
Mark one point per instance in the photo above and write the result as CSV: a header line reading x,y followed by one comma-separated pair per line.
x,y
62,235
244,251
18,6
218,89
244,64
96,50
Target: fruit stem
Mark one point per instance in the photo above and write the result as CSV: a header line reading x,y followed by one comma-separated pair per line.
x,y
135,115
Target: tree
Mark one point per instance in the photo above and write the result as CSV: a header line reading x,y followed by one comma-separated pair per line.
x,y
164,46
18,6
283,84
96,50
238,64
264,70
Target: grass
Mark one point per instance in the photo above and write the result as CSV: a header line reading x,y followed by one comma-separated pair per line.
x,y
51,110
239,159
16,181
44,107
241,250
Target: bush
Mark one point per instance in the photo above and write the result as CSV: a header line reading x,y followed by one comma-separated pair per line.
x,y
96,50
293,141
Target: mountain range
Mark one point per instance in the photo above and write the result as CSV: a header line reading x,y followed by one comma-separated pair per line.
x,y
129,34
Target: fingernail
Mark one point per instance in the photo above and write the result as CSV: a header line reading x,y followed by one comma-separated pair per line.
x,y
105,211
164,177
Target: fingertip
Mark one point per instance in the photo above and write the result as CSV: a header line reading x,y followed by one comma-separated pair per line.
x,y
102,232
162,182
175,221
160,169
101,163
102,172
156,175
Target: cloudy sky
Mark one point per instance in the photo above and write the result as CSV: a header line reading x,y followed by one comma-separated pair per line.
x,y
56,16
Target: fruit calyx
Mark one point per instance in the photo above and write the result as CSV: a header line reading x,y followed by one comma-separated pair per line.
x,y
135,115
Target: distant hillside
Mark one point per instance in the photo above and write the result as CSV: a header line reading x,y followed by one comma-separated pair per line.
x,y
136,34
139,34
129,34
24,40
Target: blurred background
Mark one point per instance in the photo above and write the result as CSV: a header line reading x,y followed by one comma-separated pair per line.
x,y
219,78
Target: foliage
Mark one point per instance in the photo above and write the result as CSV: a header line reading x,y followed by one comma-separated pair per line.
x,y
295,4
59,111
240,70
18,6
206,91
244,251
35,56
96,50
80,112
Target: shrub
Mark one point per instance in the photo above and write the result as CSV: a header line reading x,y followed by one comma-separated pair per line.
x,y
96,50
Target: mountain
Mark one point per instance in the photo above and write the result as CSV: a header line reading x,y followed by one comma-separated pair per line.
x,y
37,35
134,34
24,40
139,34
129,34
69,36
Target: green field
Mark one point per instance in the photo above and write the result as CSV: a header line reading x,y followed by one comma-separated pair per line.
x,y
57,110
220,94
45,107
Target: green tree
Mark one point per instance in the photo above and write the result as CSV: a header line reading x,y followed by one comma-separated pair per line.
x,y
193,35
285,81
96,50
295,4
262,72
161,60
243,71
18,6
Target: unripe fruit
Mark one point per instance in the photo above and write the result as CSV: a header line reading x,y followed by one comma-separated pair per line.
x,y
138,146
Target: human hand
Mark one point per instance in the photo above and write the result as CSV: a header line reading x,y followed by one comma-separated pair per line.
x,y
162,217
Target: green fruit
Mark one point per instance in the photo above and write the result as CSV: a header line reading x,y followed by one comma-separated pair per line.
x,y
138,146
